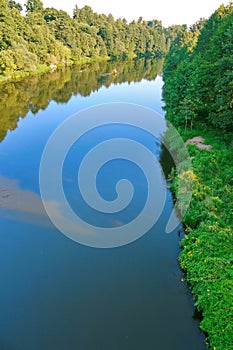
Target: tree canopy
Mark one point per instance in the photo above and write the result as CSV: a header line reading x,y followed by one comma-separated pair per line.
x,y
47,36
198,73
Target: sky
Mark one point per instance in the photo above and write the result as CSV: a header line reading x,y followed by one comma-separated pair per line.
x,y
168,11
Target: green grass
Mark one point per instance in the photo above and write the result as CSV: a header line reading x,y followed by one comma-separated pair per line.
x,y
42,68
16,76
207,249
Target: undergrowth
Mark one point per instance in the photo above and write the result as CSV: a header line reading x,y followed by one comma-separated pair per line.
x,y
207,248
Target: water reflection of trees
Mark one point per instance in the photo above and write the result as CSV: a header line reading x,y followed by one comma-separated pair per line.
x,y
34,94
166,161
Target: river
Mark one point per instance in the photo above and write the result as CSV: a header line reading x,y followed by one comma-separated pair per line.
x,y
58,294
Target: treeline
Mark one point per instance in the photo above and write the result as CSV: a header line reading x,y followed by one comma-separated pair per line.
x,y
198,73
48,37
198,92
35,93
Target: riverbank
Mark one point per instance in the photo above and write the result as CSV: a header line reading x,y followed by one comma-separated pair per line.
x,y
206,255
42,68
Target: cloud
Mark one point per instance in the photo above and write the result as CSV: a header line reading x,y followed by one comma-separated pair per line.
x,y
12,197
20,204
26,206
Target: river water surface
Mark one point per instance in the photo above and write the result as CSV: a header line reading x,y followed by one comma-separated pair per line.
x,y
56,294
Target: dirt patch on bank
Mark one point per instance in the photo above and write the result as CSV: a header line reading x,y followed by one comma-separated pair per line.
x,y
199,142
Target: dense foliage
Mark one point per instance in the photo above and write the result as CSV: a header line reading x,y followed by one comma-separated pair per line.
x,y
47,37
199,73
198,93
207,256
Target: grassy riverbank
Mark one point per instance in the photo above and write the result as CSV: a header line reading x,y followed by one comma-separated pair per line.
x,y
42,68
207,254
198,96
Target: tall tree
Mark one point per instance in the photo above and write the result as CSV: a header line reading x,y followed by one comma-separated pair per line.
x,y
34,5
198,73
13,4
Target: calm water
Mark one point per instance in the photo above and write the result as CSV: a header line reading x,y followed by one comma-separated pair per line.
x,y
56,294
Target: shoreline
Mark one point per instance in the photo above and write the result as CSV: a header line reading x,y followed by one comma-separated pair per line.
x,y
206,255
42,69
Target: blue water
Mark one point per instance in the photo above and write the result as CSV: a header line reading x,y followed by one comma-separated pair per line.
x,y
57,294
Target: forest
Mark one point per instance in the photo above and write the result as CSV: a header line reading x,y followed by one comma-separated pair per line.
x,y
46,37
199,73
197,65
198,92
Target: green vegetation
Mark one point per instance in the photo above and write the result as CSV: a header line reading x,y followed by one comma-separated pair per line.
x,y
199,73
198,92
47,37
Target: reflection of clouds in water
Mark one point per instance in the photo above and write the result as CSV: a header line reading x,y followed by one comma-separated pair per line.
x,y
61,215
118,223
24,205
12,197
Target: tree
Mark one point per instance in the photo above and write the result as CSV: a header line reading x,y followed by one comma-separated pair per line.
x,y
34,5
51,36
198,73
7,64
12,4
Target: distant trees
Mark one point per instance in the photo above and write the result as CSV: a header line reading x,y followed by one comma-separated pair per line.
x,y
13,4
48,36
198,72
34,5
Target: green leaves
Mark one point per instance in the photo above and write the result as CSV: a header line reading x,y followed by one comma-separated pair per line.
x,y
54,37
34,5
198,92
198,73
207,256
7,64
